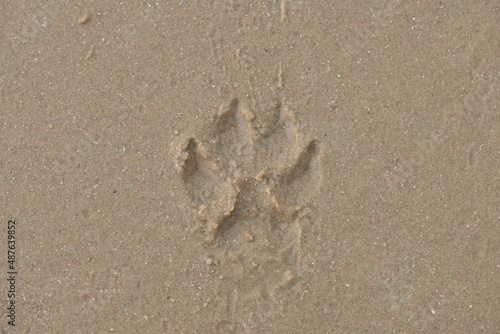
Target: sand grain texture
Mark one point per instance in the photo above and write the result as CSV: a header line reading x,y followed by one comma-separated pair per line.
x,y
251,166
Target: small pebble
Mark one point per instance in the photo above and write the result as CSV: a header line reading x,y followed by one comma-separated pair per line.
x,y
84,19
90,53
210,262
249,237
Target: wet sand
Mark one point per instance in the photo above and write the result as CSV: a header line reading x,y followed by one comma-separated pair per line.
x,y
250,167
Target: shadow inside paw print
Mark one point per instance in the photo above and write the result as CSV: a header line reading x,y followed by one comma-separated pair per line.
x,y
254,177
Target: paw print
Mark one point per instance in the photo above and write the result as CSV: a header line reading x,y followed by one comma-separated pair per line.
x,y
252,182
247,172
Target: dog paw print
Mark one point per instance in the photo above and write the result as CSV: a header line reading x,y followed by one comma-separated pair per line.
x,y
252,179
249,176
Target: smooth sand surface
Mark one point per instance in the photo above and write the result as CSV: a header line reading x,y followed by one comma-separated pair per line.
x,y
282,166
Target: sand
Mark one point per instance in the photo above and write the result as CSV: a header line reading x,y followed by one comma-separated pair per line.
x,y
249,167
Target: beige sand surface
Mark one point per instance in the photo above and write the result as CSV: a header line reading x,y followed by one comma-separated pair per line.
x,y
282,166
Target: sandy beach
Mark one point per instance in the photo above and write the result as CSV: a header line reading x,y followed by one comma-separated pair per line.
x,y
281,166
